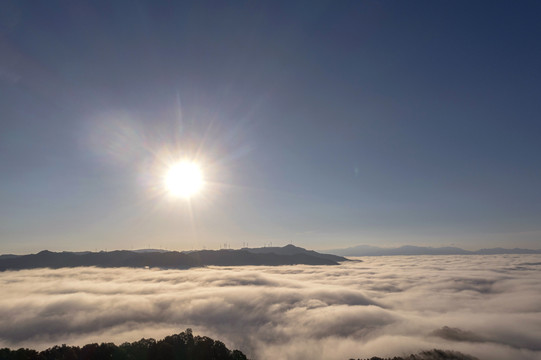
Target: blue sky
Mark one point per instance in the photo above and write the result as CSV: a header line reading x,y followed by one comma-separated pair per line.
x,y
325,124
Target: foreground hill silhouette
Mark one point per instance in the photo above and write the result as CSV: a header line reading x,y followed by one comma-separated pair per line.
x,y
288,255
183,346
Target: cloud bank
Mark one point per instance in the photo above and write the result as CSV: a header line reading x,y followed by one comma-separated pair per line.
x,y
485,306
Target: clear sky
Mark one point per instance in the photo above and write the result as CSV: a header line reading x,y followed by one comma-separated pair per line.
x,y
325,124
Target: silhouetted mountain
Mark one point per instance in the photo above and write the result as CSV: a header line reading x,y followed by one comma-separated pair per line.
x,y
181,346
367,250
244,257
494,251
170,259
150,250
293,250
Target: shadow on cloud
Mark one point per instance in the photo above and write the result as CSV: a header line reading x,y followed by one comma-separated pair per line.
x,y
486,306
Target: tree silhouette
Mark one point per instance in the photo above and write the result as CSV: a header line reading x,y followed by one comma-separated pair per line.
x,y
183,346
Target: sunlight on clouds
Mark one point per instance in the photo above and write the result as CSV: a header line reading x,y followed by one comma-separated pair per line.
x,y
486,306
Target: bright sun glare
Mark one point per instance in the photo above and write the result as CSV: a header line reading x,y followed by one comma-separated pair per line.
x,y
184,179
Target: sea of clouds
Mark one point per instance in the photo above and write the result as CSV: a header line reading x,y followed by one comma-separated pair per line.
x,y
486,306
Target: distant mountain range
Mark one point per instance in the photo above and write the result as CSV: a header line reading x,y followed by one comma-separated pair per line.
x,y
367,250
288,255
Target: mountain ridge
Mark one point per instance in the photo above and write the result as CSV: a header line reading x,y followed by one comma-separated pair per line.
x,y
410,250
169,259
292,250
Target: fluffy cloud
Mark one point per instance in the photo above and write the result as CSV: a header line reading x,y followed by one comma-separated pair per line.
x,y
486,306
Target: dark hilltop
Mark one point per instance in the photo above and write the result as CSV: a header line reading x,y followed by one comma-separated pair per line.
x,y
287,255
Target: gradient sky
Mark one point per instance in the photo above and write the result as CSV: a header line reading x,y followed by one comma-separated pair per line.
x,y
325,124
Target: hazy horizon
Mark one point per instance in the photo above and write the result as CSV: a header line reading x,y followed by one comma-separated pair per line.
x,y
227,247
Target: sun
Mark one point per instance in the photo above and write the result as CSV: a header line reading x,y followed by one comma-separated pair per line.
x,y
184,179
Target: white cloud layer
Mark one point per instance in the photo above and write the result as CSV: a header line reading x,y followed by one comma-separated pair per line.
x,y
486,306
